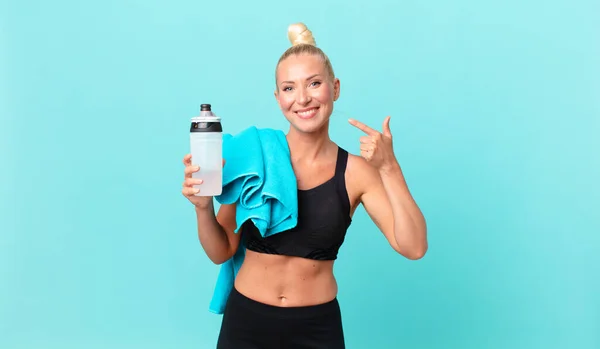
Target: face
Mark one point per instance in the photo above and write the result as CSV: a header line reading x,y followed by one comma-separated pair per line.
x,y
305,92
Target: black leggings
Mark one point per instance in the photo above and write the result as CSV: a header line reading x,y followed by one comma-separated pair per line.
x,y
248,324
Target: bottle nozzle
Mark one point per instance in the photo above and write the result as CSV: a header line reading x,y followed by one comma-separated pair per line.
x,y
205,107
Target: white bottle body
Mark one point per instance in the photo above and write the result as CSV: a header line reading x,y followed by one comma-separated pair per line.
x,y
207,153
206,148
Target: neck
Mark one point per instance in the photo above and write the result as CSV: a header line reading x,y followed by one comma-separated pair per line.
x,y
308,146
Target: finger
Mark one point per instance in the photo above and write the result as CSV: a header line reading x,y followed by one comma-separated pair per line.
x,y
189,170
187,160
386,127
366,140
366,147
365,155
188,191
366,129
190,182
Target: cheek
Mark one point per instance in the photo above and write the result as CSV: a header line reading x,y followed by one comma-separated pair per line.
x,y
325,94
286,100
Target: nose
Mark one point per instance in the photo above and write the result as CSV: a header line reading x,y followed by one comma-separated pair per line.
x,y
303,97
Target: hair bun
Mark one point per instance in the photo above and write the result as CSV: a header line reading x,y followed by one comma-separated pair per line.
x,y
298,34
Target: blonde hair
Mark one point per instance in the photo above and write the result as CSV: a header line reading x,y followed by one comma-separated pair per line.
x,y
303,42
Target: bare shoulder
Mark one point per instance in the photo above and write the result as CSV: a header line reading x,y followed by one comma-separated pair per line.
x,y
360,179
360,175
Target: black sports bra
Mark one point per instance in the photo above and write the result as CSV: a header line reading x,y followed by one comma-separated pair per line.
x,y
323,220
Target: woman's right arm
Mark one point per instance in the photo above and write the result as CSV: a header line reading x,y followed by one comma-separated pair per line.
x,y
216,233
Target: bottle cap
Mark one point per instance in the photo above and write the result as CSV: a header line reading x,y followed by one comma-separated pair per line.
x,y
207,121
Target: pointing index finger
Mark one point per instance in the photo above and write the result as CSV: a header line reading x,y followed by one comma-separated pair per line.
x,y
366,129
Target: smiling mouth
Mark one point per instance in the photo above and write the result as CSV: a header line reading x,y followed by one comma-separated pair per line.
x,y
307,113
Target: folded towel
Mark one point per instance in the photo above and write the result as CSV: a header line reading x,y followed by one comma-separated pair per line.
x,y
258,177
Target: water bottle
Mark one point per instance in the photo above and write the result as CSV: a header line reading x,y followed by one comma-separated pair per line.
x,y
206,140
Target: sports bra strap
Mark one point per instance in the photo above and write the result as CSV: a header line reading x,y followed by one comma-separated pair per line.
x,y
340,165
340,178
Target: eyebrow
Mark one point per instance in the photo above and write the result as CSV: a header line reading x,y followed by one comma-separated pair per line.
x,y
291,82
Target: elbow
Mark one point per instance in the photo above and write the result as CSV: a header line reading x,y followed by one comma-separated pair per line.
x,y
220,258
414,253
217,260
417,247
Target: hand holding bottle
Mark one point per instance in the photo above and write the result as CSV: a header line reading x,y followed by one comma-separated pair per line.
x,y
192,184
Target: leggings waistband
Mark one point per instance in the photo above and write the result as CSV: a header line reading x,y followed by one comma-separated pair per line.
x,y
309,311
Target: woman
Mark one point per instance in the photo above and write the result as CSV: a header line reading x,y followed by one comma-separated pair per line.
x,y
285,292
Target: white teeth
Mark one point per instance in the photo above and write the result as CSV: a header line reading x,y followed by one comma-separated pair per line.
x,y
307,113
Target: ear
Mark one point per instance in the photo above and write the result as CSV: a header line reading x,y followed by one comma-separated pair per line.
x,y
276,95
336,89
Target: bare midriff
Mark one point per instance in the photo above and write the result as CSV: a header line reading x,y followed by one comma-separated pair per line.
x,y
286,281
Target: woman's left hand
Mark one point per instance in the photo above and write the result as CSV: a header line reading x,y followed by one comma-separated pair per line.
x,y
376,147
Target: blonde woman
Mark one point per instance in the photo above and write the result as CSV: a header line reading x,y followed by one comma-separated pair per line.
x,y
285,294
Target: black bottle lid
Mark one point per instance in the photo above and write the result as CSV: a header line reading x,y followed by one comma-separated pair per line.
x,y
205,107
206,126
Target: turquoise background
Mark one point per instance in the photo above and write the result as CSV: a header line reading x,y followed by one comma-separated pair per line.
x,y
496,120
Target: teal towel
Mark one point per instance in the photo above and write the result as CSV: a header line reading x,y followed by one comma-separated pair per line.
x,y
258,177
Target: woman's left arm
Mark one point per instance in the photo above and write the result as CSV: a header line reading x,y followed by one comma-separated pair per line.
x,y
386,196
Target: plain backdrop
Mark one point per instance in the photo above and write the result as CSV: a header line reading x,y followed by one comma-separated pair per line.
x,y
496,122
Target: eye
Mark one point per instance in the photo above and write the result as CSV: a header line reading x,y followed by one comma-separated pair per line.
x,y
315,83
286,89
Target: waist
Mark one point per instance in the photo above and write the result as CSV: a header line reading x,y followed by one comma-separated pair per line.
x,y
286,281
